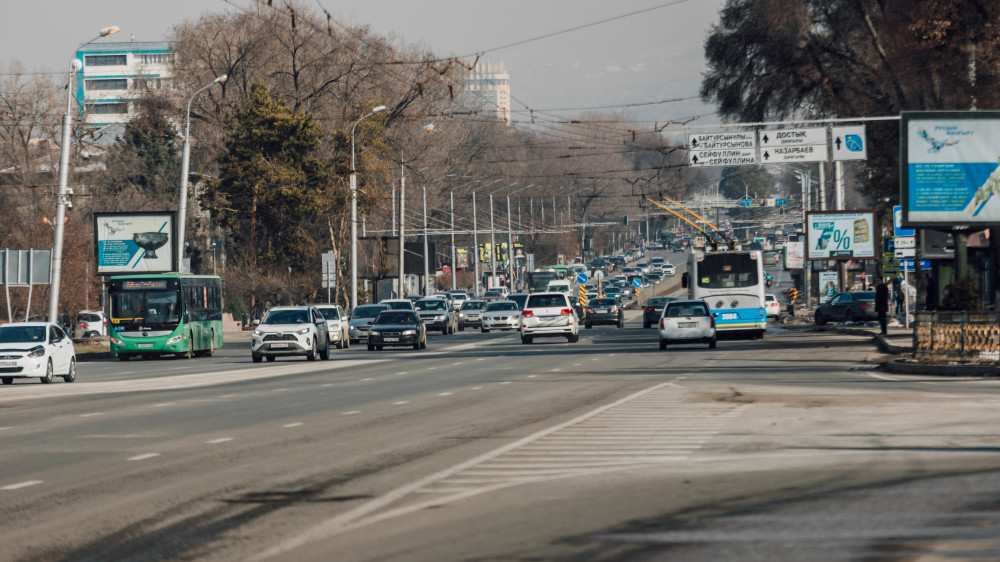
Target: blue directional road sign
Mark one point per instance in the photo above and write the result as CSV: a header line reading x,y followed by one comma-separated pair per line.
x,y
907,265
781,202
637,282
745,202
581,278
897,218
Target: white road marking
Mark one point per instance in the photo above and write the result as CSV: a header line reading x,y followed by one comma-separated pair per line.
x,y
350,413
400,403
532,376
91,414
228,395
280,390
6,428
477,388
219,440
403,373
883,377
366,380
144,457
505,382
328,384
296,424
596,359
457,364
164,404
556,370
20,485
445,394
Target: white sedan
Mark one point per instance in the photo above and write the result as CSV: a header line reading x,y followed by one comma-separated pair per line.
x,y
35,349
500,315
687,322
771,306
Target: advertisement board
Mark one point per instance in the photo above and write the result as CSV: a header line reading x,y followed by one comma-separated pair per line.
x,y
135,242
841,235
829,285
950,168
795,254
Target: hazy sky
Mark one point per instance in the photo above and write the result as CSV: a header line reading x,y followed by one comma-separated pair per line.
x,y
657,55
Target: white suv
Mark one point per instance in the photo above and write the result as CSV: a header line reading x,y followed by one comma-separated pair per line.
x,y
290,330
549,315
90,323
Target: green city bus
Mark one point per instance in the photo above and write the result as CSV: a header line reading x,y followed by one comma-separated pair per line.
x,y
167,313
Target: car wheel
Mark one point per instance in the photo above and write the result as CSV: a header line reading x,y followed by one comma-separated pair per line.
x,y
588,325
325,354
70,375
416,345
257,358
484,330
819,318
526,340
711,344
340,344
850,316
423,342
621,322
124,356
663,343
48,373
371,347
272,358
312,352
573,338
646,325
91,334
7,380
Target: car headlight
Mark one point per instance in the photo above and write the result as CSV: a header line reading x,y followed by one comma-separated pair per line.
x,y
374,332
258,333
303,331
409,332
174,340
440,317
461,315
37,351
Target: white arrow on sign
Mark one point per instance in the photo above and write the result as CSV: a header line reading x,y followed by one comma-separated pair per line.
x,y
849,143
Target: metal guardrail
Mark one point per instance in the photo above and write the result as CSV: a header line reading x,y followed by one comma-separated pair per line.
x,y
958,335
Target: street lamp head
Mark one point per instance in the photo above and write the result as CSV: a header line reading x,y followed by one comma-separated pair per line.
x,y
110,30
75,65
221,79
378,108
429,127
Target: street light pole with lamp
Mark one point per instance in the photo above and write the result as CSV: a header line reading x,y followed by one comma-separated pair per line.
x,y
354,212
62,199
185,159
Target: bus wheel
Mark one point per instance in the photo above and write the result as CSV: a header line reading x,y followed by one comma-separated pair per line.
x,y
211,345
124,356
190,350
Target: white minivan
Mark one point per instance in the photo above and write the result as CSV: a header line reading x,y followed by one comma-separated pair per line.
x,y
558,286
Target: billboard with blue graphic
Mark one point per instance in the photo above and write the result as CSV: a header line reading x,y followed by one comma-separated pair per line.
x,y
135,242
950,168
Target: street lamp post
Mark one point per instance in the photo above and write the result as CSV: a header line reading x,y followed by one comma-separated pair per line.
x,y
62,199
354,213
185,159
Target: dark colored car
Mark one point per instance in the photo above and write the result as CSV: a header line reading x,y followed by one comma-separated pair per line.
x,y
519,298
852,306
654,309
397,328
438,315
604,311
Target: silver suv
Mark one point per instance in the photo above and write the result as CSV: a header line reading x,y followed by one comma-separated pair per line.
x,y
290,330
549,315
336,324
90,324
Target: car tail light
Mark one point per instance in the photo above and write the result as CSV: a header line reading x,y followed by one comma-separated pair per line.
x,y
590,311
82,325
527,313
614,309
662,322
711,320
566,311
863,305
649,309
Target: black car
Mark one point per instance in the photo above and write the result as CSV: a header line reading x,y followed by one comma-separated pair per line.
x,y
397,328
852,306
653,310
604,310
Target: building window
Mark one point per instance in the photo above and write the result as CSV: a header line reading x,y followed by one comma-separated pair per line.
x,y
104,60
157,58
106,84
114,108
151,83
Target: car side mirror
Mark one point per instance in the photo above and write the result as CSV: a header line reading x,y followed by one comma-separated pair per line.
x,y
256,322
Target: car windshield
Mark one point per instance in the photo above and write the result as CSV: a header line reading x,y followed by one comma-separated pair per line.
x,y
716,271
395,317
473,305
494,306
18,334
400,305
286,317
658,302
492,293
603,302
864,296
432,304
368,311
546,301
686,309
330,313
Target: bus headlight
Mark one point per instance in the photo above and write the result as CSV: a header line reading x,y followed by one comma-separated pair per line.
x,y
174,340
117,341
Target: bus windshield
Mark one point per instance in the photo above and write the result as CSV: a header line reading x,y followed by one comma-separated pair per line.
x,y
153,309
724,271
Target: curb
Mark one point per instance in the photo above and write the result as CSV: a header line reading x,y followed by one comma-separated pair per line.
x,y
910,368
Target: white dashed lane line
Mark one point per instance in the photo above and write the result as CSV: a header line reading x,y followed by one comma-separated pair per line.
x,y
91,414
164,404
219,440
296,424
400,403
20,485
445,394
143,457
350,413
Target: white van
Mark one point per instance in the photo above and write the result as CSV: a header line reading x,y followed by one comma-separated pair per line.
x,y
558,286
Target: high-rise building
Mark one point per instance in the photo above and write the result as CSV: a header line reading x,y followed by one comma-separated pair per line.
x,y
115,74
488,89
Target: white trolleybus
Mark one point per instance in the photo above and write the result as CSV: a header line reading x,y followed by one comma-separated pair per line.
x,y
732,283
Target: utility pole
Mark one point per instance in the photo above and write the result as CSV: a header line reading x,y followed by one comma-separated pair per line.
x,y
402,225
454,253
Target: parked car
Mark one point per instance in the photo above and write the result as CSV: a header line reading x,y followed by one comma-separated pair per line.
x,y
500,315
653,310
604,311
471,313
336,324
397,328
35,349
850,306
549,315
771,306
90,324
290,330
687,321
363,317
437,315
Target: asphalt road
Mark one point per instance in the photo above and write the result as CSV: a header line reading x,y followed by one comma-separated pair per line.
x,y
480,448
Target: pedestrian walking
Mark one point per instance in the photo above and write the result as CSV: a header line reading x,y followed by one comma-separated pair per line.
x,y
882,304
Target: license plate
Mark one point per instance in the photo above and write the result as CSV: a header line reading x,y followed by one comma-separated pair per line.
x,y
279,345
601,310
145,346
391,339
687,324
8,363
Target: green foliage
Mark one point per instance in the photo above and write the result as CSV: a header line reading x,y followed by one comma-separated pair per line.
x,y
146,156
962,296
272,185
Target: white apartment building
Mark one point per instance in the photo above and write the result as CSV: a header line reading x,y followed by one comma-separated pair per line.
x,y
114,74
488,89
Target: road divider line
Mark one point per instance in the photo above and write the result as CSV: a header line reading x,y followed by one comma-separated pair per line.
x,y
164,404
445,394
350,412
20,485
219,440
400,403
296,424
143,457
91,414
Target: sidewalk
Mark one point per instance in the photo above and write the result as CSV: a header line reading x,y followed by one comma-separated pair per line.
x,y
899,342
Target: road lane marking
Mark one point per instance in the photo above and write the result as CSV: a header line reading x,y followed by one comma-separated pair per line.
x,y
228,395
556,370
91,414
400,403
477,388
505,382
445,394
24,484
280,390
350,412
143,457
532,376
6,428
366,380
328,384
296,424
219,440
164,404
883,377
403,373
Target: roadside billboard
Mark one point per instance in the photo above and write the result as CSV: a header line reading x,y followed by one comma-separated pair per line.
x,y
135,242
841,235
829,285
795,254
950,168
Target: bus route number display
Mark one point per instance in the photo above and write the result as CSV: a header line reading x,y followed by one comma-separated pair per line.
x,y
144,285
